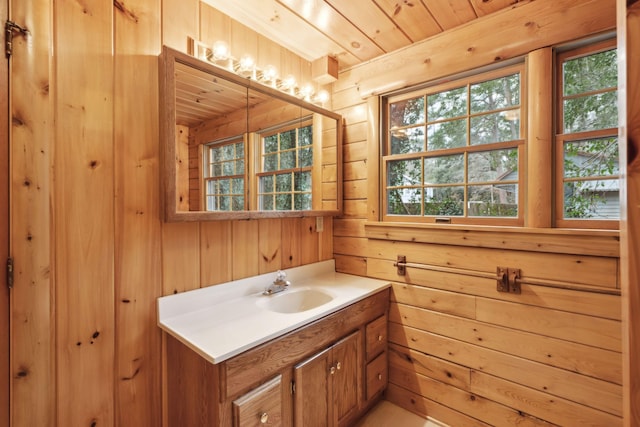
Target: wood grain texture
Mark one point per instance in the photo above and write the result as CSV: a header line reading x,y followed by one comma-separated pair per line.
x,y
539,135
138,257
84,212
5,178
496,37
32,350
629,43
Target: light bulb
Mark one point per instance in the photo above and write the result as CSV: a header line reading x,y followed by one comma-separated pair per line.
x,y
306,91
269,73
246,66
322,97
220,51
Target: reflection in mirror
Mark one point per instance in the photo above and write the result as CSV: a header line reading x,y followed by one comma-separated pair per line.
x,y
234,148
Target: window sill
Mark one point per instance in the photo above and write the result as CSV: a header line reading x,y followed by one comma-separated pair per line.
x,y
604,243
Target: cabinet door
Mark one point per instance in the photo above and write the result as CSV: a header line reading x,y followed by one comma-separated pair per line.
x,y
311,404
347,376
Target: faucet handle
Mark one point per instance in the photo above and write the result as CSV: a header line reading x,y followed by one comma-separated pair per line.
x,y
280,276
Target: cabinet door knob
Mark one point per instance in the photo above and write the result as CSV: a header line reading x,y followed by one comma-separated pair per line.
x,y
379,377
379,337
332,370
264,418
338,366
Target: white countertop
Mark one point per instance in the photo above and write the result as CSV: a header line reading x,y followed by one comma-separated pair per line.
x,y
221,321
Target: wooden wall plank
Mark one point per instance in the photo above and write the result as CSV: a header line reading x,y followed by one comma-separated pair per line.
x,y
180,20
599,305
269,245
138,258
629,44
31,352
351,265
434,299
575,269
84,211
309,241
245,255
5,179
215,253
291,229
579,358
181,257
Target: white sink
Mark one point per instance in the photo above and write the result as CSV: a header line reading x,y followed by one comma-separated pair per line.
x,y
295,300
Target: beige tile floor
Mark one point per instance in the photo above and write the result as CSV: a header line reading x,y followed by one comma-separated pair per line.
x,y
386,414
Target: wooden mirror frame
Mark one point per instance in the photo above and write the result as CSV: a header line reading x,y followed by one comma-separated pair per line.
x,y
167,99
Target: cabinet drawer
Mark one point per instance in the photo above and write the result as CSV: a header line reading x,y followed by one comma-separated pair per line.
x,y
376,337
376,375
261,406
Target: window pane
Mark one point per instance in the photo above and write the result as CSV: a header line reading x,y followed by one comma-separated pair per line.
x,y
444,201
593,199
305,157
225,203
305,136
283,202
591,158
409,140
495,94
270,163
237,186
283,182
239,167
445,135
302,181
288,139
404,172
239,150
266,184
224,186
271,144
444,170
590,73
302,202
447,105
217,170
288,160
228,168
495,127
228,152
493,200
404,201
591,112
495,165
267,202
237,203
408,112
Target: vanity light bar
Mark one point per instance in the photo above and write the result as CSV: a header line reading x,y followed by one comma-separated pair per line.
x,y
219,55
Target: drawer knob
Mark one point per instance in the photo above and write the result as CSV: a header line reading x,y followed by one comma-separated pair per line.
x,y
379,337
338,366
332,370
264,418
379,377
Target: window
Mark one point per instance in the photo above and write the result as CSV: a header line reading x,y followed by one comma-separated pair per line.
x,y
587,167
453,151
284,175
224,172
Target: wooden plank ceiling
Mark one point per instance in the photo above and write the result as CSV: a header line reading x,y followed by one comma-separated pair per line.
x,y
354,31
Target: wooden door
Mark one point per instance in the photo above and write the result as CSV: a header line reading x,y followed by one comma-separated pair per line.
x,y
312,403
4,229
347,379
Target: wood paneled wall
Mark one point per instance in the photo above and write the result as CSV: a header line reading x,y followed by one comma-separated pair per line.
x,y
460,351
92,253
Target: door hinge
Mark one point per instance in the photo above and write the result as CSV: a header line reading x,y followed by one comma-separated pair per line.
x,y
10,272
10,28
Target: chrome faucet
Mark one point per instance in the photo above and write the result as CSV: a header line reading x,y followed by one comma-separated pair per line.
x,y
278,285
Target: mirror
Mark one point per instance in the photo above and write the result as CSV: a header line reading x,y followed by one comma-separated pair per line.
x,y
234,148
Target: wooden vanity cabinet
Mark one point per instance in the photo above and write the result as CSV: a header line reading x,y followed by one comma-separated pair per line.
x,y
328,385
287,381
